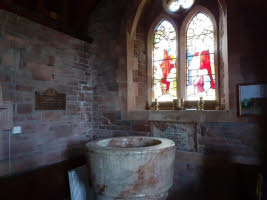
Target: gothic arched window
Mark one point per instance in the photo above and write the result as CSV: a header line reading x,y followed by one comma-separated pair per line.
x,y
164,82
184,64
200,65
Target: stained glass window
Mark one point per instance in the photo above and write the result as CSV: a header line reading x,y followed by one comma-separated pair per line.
x,y
175,5
164,62
200,59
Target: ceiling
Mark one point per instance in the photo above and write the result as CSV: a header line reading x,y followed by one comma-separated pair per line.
x,y
69,16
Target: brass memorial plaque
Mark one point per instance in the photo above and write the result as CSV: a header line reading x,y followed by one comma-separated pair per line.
x,y
50,100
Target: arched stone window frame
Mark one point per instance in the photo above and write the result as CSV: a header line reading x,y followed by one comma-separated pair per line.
x,y
150,47
220,53
129,89
183,46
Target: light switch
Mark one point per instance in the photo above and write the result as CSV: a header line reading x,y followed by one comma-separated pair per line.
x,y
16,130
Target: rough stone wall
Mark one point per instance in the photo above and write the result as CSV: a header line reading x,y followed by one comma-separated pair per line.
x,y
108,25
222,57
93,77
237,139
140,75
34,58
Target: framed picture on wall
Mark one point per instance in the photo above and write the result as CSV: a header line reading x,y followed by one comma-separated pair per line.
x,y
252,99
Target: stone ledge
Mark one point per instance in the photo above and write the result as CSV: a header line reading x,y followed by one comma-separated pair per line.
x,y
198,158
185,116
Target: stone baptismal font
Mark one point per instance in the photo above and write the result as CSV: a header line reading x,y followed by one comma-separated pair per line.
x,y
131,168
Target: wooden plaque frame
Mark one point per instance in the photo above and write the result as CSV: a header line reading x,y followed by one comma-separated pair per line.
x,y
50,100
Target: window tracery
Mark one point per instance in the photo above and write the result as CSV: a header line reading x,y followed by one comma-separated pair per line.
x,y
175,5
184,65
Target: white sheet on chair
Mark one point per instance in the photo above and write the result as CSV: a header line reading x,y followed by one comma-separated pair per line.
x,y
79,187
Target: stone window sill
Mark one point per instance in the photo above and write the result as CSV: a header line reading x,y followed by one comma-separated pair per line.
x,y
198,158
181,115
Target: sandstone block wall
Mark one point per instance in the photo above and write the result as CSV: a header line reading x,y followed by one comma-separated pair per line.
x,y
33,58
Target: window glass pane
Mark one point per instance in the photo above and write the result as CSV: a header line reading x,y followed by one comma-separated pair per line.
x,y
200,59
164,63
174,5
